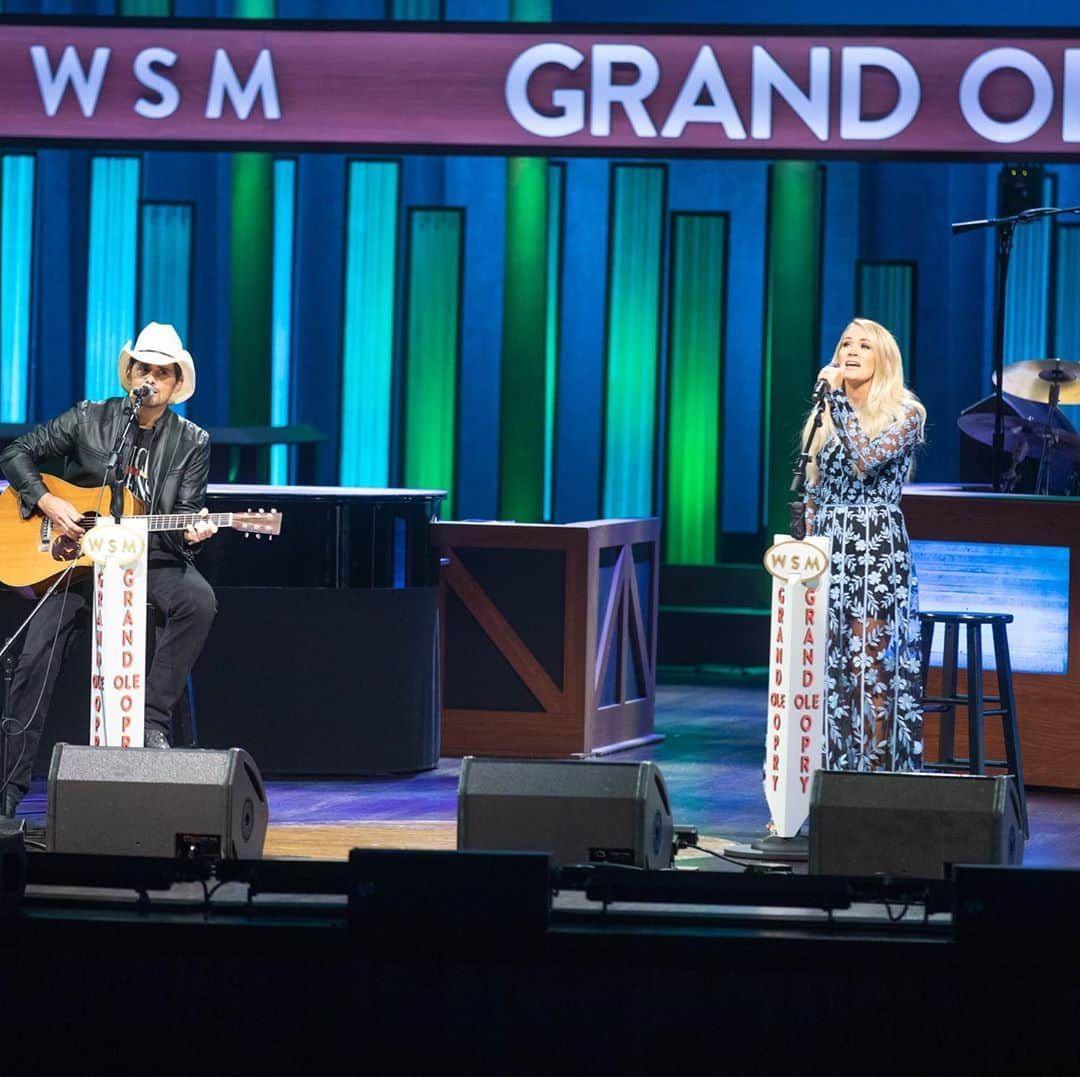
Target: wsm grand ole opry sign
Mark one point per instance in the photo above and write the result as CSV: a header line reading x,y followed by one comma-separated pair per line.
x,y
541,91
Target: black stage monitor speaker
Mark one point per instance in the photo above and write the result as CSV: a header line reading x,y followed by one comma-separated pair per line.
x,y
579,812
149,802
911,824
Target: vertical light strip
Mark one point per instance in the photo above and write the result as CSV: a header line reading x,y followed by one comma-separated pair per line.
x,y
634,281
254,9
432,342
165,264
161,8
530,10
251,261
1066,342
1066,309
524,350
281,312
885,293
424,10
792,328
368,336
110,284
695,367
165,268
556,188
1026,310
251,274
526,401
16,261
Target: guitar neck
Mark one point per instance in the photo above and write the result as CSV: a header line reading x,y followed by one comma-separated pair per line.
x,y
178,521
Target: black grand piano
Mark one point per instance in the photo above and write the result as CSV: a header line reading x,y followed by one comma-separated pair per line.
x,y
323,659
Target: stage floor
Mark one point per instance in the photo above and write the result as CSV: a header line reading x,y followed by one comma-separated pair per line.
x,y
711,757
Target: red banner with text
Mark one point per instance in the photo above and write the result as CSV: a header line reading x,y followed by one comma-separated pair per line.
x,y
543,90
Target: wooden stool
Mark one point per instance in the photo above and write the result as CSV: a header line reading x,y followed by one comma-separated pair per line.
x,y
976,703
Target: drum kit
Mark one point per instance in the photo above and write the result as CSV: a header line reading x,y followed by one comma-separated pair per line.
x,y
1034,424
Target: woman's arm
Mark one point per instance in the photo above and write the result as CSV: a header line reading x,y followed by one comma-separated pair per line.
x,y
871,454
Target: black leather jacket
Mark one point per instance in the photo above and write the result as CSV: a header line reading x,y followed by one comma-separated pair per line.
x,y
179,460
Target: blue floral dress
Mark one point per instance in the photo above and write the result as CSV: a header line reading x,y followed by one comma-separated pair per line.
x,y
873,712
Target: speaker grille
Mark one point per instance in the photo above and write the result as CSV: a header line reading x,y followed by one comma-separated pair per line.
x,y
577,811
147,802
911,824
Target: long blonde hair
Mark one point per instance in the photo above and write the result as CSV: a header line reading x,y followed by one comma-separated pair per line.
x,y
888,401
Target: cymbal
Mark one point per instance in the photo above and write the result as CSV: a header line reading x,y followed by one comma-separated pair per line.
x,y
1032,379
1018,429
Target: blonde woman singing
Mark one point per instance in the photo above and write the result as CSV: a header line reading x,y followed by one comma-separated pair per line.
x,y
859,460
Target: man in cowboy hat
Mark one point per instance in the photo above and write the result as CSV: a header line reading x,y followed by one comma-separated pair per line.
x,y
170,463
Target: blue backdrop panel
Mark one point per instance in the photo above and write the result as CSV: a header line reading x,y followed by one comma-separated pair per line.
x,y
281,318
59,300
581,367
316,348
203,180
796,12
554,257
739,188
840,252
331,9
1027,308
479,184
112,256
165,231
16,268
370,283
635,320
907,210
478,10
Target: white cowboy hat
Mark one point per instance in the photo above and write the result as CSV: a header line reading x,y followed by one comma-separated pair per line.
x,y
159,345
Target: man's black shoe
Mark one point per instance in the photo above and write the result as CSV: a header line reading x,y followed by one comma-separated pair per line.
x,y
155,738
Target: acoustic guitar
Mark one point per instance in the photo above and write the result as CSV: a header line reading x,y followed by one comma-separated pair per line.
x,y
33,552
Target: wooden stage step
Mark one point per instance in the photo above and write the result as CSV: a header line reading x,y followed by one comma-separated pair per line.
x,y
333,842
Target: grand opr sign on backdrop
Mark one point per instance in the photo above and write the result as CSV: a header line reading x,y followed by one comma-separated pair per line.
x,y
544,91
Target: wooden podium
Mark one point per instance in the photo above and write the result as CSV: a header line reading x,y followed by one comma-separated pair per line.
x,y
548,636
1046,708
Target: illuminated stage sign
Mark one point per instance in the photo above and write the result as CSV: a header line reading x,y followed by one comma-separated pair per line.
x,y
547,91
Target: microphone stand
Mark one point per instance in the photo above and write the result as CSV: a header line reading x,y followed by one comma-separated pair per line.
x,y
114,476
1005,227
797,508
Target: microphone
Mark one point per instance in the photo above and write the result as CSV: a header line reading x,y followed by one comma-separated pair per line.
x,y
821,387
143,392
968,226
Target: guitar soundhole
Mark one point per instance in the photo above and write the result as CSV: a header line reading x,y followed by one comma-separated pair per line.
x,y
64,548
